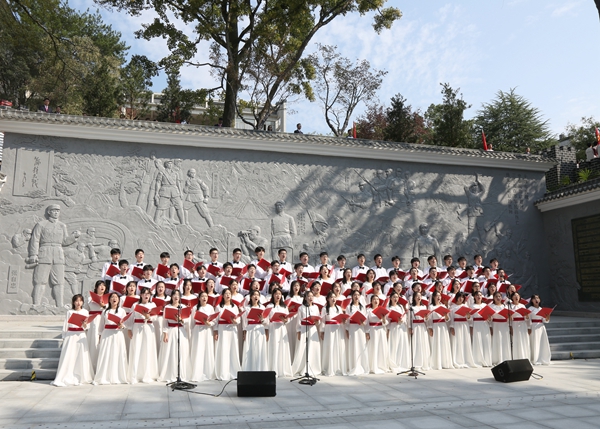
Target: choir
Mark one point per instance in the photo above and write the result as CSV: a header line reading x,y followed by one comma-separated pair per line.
x,y
205,321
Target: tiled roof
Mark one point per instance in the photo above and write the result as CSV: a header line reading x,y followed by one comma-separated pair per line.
x,y
570,190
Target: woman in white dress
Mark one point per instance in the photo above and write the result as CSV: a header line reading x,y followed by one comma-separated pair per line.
x,y
481,333
202,342
227,353
161,299
278,346
377,339
500,332
254,355
441,353
293,297
346,280
520,329
318,299
333,334
143,363
460,338
93,332
399,353
358,352
175,330
74,365
540,347
368,284
130,291
419,334
112,352
307,329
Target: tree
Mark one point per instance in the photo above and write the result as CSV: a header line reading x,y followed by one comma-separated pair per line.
x,y
582,134
342,86
176,104
371,125
512,124
234,26
136,80
446,121
404,124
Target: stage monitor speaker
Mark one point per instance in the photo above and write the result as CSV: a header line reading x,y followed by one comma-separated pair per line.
x,y
513,370
256,383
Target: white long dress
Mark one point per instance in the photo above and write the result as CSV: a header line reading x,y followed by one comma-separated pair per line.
x,y
254,354
227,353
74,366
441,352
292,325
167,358
540,346
93,331
377,344
158,327
143,363
399,347
520,325
482,339
500,337
420,340
112,351
203,347
314,345
278,346
333,350
462,351
358,352
129,323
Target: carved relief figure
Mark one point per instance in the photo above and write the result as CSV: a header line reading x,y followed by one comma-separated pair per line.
x,y
20,241
100,253
362,200
426,245
48,238
196,195
145,197
168,193
75,259
474,206
409,190
283,229
251,239
320,227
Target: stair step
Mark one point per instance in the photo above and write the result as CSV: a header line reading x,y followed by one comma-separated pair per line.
x,y
18,353
36,334
577,354
25,375
28,363
569,325
574,338
575,346
552,332
29,343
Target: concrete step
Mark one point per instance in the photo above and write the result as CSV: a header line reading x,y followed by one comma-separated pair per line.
x,y
576,354
36,334
19,353
571,347
29,363
590,323
29,343
571,331
25,374
574,338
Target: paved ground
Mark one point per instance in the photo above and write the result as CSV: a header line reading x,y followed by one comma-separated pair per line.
x,y
567,397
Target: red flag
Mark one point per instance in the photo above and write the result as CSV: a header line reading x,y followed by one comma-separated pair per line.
x,y
485,147
597,135
354,130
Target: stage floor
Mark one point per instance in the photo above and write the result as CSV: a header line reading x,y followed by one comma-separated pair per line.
x,y
567,397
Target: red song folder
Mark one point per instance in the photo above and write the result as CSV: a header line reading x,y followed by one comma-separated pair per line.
x,y
292,306
463,311
312,320
341,317
77,319
198,287
278,317
171,313
380,312
99,299
130,301
112,271
264,264
137,272
486,312
441,310
395,316
214,300
204,318
162,270
118,287
228,315
358,317
545,312
423,313
189,265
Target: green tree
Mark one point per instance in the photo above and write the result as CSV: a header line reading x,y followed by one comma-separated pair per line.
x,y
583,133
512,124
235,26
446,121
404,124
372,123
176,103
136,80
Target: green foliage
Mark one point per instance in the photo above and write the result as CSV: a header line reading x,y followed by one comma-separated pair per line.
x,y
582,134
512,124
565,180
446,121
135,83
404,124
584,174
176,103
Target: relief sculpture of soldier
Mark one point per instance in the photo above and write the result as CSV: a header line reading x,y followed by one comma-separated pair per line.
x,y
77,261
251,239
168,193
475,208
283,229
48,237
426,245
196,195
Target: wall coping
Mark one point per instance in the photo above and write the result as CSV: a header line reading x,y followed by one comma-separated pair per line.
x,y
578,193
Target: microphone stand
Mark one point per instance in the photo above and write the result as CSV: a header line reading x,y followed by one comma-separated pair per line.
x,y
306,378
510,328
178,384
412,372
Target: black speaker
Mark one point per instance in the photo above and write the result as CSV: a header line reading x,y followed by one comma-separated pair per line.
x,y
256,383
513,370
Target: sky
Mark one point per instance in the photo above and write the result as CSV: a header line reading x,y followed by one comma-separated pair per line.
x,y
549,51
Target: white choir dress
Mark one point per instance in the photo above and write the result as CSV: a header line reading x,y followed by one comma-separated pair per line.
x,y
441,352
254,354
540,347
398,341
167,358
203,346
129,323
74,365
482,339
112,352
158,326
292,327
227,354
278,346
333,350
377,344
93,331
420,339
520,325
143,363
462,351
358,352
500,336
314,345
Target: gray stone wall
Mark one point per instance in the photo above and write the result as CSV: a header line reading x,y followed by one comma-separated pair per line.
x,y
146,196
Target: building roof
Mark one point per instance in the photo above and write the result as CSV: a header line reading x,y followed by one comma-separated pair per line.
x,y
576,193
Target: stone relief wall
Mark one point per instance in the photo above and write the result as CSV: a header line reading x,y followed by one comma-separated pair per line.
x,y
166,198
